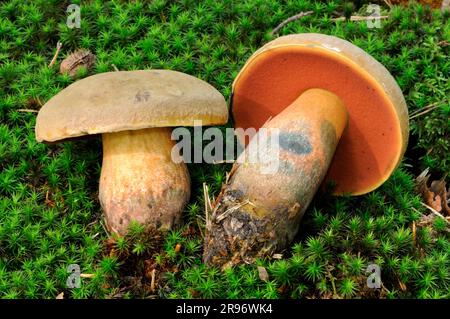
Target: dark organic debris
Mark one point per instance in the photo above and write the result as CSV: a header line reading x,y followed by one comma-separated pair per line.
x,y
435,195
76,60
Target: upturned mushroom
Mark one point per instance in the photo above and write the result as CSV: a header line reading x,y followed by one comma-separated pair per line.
x,y
340,117
133,110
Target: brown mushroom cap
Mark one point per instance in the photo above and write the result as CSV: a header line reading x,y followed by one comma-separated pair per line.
x,y
129,100
375,140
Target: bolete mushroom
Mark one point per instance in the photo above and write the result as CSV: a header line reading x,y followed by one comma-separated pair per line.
x,y
341,117
133,111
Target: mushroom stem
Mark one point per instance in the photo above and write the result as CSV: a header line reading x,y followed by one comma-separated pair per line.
x,y
139,180
258,213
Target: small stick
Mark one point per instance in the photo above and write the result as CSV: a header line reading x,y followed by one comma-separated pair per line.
x,y
332,279
115,67
209,199
429,106
417,211
414,232
152,283
205,196
230,210
290,19
58,48
388,3
200,227
224,162
426,109
105,228
28,110
360,18
435,212
232,171
424,112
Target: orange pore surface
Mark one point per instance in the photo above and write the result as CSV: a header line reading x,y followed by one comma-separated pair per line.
x,y
370,146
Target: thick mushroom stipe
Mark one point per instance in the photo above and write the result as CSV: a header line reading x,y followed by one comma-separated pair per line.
x,y
140,182
259,211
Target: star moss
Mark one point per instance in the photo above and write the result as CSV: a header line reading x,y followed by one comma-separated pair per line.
x,y
50,216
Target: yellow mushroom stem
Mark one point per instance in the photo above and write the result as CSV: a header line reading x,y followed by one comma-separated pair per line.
x,y
139,180
258,213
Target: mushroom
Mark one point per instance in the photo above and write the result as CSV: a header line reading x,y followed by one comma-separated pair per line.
x,y
340,117
133,111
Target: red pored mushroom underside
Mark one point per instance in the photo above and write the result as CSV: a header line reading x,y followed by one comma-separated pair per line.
x,y
376,136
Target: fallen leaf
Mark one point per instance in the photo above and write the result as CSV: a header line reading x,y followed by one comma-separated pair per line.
x,y
60,296
436,195
281,289
76,60
263,275
438,187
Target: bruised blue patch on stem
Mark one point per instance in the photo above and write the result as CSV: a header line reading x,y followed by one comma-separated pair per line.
x,y
297,143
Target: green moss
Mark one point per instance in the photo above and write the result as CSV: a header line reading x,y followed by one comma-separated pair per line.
x,y
49,212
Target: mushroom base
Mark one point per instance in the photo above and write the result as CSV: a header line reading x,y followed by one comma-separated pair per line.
x,y
139,180
259,212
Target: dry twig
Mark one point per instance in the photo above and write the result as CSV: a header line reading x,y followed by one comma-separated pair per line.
x,y
58,48
152,283
208,206
388,3
290,19
425,109
28,110
435,212
360,18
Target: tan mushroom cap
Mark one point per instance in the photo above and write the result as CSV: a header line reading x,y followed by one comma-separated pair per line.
x,y
129,100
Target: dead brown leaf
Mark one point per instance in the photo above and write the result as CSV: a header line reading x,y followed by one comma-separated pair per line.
x,y
438,188
262,272
402,285
435,194
76,60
